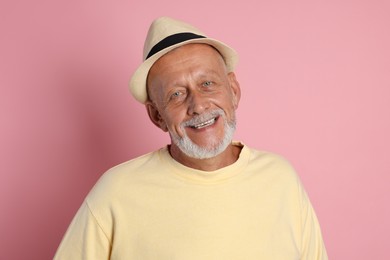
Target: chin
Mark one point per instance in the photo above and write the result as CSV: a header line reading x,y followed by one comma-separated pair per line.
x,y
191,149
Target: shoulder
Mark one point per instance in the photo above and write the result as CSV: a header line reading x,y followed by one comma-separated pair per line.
x,y
269,159
135,167
275,174
124,177
272,166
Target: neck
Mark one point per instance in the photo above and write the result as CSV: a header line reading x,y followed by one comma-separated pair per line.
x,y
226,158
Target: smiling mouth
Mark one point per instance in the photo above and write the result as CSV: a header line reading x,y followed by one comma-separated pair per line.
x,y
204,124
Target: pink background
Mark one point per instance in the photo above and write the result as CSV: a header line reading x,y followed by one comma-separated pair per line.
x,y
315,78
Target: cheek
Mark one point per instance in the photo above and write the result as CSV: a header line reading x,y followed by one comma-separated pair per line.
x,y
226,100
233,101
173,123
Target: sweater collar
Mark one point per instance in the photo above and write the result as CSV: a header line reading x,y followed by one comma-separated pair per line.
x,y
207,177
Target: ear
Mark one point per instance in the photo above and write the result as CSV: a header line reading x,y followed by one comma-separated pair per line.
x,y
235,88
155,116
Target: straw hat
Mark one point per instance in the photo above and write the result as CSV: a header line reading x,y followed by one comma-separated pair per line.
x,y
164,35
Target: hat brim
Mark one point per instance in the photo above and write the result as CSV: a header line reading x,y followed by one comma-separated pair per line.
x,y
137,83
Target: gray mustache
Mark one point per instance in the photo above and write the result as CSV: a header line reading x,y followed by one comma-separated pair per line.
x,y
204,117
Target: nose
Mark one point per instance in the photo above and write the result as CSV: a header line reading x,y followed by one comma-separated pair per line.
x,y
197,104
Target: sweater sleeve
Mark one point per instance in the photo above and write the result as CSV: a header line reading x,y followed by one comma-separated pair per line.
x,y
313,247
84,239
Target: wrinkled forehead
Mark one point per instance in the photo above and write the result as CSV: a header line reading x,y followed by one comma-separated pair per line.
x,y
187,50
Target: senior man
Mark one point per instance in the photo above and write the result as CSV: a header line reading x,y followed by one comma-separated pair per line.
x,y
203,196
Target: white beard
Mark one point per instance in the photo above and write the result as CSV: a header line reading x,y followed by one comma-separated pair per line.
x,y
193,150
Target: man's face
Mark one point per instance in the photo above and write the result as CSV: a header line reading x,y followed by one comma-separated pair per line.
x,y
194,98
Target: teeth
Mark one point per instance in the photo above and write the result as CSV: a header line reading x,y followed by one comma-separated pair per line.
x,y
204,124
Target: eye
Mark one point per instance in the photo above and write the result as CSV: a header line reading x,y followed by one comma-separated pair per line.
x,y
207,83
175,94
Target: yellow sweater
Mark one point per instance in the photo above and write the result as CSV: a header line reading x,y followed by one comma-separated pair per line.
x,y
154,208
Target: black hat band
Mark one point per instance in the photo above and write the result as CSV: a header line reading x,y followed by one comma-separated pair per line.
x,y
172,40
